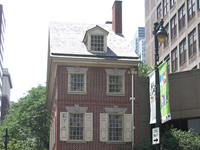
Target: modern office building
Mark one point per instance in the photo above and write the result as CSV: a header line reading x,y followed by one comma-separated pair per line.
x,y
182,23
6,86
182,52
138,43
2,31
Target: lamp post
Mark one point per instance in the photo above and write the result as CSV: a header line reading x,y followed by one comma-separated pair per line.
x,y
159,35
6,139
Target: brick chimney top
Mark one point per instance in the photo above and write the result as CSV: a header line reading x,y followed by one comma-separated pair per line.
x,y
117,16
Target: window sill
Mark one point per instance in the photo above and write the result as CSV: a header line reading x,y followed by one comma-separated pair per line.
x,y
98,52
182,28
189,19
181,64
166,45
115,94
76,141
173,37
174,70
79,93
115,142
192,55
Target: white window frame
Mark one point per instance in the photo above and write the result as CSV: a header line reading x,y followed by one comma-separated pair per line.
x,y
115,127
126,131
87,124
96,33
79,127
77,70
116,72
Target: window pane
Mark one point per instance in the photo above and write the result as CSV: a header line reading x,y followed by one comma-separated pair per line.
x,y
77,82
97,43
115,128
115,84
76,127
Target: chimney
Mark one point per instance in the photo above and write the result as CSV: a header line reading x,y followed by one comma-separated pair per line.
x,y
117,17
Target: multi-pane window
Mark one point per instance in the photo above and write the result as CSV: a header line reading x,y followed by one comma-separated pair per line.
x,y
173,27
76,127
165,7
192,42
76,82
174,60
167,59
97,43
167,38
182,51
115,84
168,66
172,2
159,11
191,8
181,17
115,128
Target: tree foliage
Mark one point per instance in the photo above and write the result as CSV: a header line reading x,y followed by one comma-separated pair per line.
x,y
28,122
144,70
175,139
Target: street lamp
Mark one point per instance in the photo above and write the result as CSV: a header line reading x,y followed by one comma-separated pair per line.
x,y
159,35
6,139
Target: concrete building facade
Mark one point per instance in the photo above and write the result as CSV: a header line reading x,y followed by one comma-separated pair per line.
x,y
7,85
184,103
89,85
138,43
2,32
182,23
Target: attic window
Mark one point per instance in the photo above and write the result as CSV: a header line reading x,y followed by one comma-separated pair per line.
x,y
95,40
97,43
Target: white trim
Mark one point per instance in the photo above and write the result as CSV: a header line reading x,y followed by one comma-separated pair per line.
x,y
115,72
65,127
96,31
126,128
77,70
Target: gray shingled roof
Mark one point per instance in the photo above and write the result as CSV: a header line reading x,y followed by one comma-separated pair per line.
x,y
67,39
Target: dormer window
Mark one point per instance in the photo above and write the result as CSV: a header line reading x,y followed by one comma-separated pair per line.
x,y
97,43
96,40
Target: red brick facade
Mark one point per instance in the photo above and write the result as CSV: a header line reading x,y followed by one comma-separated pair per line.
x,y
96,100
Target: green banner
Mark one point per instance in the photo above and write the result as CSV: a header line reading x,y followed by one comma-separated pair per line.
x,y
164,93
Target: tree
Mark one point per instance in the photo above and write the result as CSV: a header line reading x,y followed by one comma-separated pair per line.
x,y
175,139
28,122
144,70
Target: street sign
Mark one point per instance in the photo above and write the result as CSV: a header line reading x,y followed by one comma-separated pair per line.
x,y
155,136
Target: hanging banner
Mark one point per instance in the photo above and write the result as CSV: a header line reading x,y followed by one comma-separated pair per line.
x,y
152,93
164,93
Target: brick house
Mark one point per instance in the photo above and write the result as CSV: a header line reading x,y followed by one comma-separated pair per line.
x,y
90,75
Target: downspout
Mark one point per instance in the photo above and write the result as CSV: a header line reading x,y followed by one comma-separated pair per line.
x,y
132,99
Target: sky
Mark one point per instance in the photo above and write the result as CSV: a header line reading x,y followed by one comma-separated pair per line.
x,y
26,34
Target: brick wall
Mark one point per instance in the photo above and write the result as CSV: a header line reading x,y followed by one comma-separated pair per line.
x,y
96,100
117,17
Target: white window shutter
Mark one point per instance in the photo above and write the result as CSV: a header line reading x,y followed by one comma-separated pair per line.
x,y
88,126
64,119
103,127
127,127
